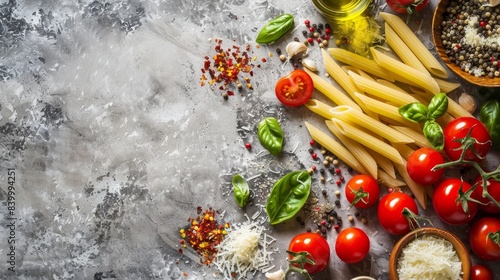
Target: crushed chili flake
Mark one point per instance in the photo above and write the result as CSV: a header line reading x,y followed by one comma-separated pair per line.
x,y
204,234
226,66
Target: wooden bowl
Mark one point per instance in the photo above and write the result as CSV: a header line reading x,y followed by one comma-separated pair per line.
x,y
438,43
462,252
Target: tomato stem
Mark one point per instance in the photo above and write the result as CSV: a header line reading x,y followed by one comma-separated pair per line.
x,y
467,143
300,259
413,219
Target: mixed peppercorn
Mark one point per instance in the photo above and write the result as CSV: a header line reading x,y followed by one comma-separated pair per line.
x,y
470,33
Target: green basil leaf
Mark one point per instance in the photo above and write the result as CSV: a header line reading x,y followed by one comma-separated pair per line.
x,y
415,111
241,190
270,135
489,115
438,105
275,29
434,133
288,195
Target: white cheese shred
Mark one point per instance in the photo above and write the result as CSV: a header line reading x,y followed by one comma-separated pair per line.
x,y
244,249
431,258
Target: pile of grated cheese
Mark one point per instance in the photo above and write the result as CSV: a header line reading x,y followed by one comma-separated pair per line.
x,y
244,249
430,258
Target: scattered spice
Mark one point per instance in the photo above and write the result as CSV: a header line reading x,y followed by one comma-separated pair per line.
x,y
204,234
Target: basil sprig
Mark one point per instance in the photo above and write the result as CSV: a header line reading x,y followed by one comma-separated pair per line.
x,y
241,190
288,195
270,135
275,29
418,112
489,115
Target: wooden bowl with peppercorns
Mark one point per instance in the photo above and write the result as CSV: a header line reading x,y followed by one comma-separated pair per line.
x,y
464,39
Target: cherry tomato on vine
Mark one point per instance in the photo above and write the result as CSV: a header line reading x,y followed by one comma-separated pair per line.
x,y
407,6
480,272
420,164
314,244
362,191
493,190
458,129
449,206
295,88
484,238
390,212
352,245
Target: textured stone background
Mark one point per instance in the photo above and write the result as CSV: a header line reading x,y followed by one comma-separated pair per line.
x,y
114,143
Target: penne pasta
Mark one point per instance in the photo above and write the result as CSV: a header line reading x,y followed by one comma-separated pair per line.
x,y
446,86
357,71
334,147
366,139
402,50
319,108
417,189
338,74
414,43
330,91
407,72
388,181
383,163
386,110
381,91
358,151
360,62
354,117
419,137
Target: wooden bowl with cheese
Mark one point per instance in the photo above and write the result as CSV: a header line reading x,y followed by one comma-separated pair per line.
x,y
428,252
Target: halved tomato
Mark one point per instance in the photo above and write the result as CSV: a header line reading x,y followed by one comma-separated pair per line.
x,y
295,88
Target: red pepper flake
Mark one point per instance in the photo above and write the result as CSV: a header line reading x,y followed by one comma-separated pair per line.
x,y
263,59
204,234
230,93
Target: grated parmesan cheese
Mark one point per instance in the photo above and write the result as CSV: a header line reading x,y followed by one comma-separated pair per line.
x,y
473,38
430,258
244,249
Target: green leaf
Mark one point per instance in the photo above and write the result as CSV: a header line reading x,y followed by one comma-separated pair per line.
x,y
241,190
270,135
489,115
288,195
275,29
438,105
434,133
415,111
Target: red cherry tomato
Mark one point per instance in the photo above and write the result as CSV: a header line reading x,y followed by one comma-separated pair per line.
x,y
493,190
362,191
295,88
352,245
458,129
420,164
314,244
447,206
390,212
480,272
484,238
407,6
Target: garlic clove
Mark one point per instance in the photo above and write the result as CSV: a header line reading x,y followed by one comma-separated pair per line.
x,y
295,48
468,102
309,64
276,275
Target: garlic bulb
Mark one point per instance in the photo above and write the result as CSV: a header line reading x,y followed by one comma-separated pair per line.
x,y
468,102
295,48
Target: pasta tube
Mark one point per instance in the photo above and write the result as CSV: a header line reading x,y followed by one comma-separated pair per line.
x,y
330,91
419,138
402,50
319,108
338,74
358,151
381,91
417,189
335,147
384,109
360,62
414,43
383,163
354,117
366,140
407,72
388,181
